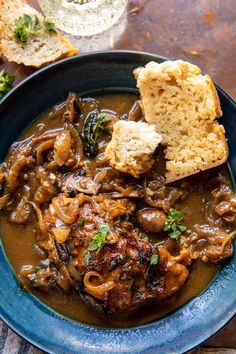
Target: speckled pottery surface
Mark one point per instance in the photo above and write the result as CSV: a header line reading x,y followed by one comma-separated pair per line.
x,y
178,332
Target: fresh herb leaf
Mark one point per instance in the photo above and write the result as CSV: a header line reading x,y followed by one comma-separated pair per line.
x,y
94,126
100,126
124,217
182,228
50,27
128,255
87,257
154,259
52,282
80,222
26,26
173,224
5,82
94,245
39,267
99,239
175,234
104,229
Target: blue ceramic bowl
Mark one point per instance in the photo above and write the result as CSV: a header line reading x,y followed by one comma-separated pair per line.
x,y
184,329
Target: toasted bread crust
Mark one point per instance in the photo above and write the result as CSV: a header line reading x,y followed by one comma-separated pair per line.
x,y
184,105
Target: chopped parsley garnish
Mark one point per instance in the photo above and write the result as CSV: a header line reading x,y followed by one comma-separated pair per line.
x,y
154,259
39,267
124,217
50,27
5,83
100,125
80,222
94,126
87,257
52,282
26,26
99,238
173,224
128,255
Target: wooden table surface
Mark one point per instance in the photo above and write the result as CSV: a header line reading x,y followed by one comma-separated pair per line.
x,y
200,31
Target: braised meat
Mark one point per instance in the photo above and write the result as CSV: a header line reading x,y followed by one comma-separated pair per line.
x,y
105,257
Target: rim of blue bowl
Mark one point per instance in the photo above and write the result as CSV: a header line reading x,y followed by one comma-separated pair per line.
x,y
220,317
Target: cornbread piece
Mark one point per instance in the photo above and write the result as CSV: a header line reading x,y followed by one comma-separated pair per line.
x,y
132,147
183,104
40,49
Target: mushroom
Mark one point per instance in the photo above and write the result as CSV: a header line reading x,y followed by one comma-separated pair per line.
x,y
151,220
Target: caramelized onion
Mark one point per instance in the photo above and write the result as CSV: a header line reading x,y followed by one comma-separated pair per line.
x,y
72,107
39,215
225,241
44,193
94,289
81,184
66,208
135,113
41,148
2,175
22,212
208,243
26,269
117,191
77,144
60,234
175,273
68,215
13,175
51,166
222,203
100,176
117,207
4,200
46,136
163,199
62,147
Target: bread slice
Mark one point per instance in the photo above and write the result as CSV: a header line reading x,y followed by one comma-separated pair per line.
x,y
183,104
132,147
41,49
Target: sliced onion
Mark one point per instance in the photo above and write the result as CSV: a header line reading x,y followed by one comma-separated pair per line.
x,y
61,234
97,290
39,215
45,145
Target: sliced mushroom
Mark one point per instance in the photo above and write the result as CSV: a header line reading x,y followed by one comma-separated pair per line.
x,y
76,183
72,107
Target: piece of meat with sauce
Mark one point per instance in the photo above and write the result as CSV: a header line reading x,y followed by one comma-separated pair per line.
x,y
120,276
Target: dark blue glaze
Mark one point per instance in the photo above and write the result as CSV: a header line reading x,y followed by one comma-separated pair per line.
x,y
187,327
